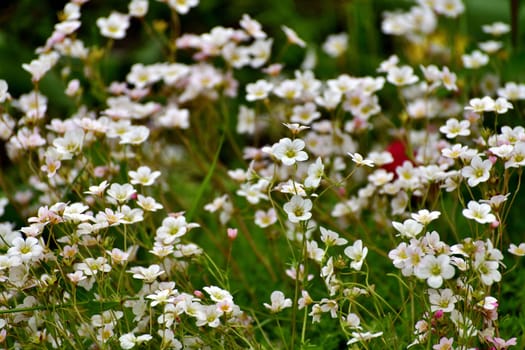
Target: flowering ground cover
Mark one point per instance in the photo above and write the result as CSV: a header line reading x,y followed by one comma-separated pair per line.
x,y
238,186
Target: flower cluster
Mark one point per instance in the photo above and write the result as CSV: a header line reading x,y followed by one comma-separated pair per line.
x,y
189,208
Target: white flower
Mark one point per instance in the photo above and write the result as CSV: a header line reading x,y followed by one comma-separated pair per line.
x,y
148,203
478,171
475,60
27,250
148,274
209,315
74,212
265,218
502,105
135,135
359,160
182,6
298,209
479,212
480,105
336,44
331,238
315,174
357,253
425,217
218,294
4,94
352,321
171,229
442,299
3,204
70,144
496,28
305,114
289,152
435,270
409,228
449,8
454,128
487,269
289,89
143,176
258,90
91,266
279,302
363,336
114,26
129,340
121,193
400,76
517,250
448,79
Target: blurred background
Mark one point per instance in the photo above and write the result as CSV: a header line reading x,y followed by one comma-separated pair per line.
x,y
26,24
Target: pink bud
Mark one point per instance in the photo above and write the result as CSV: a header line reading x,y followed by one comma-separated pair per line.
x,y
232,233
438,314
198,294
100,171
72,87
494,224
493,159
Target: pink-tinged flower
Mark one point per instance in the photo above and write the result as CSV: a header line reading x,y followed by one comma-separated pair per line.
x,y
435,270
292,37
501,344
232,233
444,344
279,302
252,27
